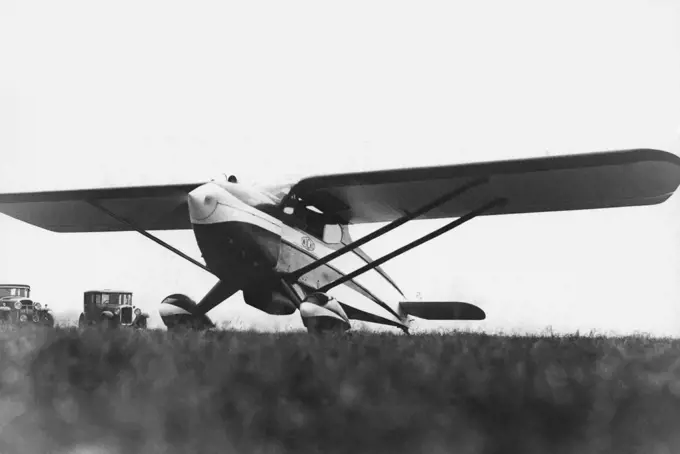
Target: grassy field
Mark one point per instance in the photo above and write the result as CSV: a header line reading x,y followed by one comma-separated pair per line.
x,y
66,391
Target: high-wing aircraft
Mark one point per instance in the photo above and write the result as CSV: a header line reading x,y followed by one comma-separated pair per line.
x,y
288,247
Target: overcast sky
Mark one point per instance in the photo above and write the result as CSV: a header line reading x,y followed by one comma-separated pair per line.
x,y
137,92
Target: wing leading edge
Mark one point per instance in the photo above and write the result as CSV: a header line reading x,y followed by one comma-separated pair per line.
x,y
560,183
148,207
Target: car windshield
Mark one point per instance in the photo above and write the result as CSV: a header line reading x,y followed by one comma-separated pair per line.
x,y
113,298
109,298
14,291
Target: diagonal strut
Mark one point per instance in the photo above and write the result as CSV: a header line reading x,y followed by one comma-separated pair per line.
x,y
418,242
149,236
294,275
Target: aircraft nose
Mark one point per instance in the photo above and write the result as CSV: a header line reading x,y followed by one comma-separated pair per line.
x,y
203,201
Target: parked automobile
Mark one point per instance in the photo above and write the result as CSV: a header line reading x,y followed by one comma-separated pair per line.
x,y
111,308
17,308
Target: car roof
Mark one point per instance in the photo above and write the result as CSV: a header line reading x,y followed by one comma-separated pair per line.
x,y
14,286
107,290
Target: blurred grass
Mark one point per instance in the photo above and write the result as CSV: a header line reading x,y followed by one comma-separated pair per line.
x,y
66,391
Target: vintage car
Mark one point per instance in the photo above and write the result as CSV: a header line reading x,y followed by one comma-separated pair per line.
x,y
17,308
110,308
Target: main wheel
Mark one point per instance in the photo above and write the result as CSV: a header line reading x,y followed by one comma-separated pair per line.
x,y
177,310
322,314
325,325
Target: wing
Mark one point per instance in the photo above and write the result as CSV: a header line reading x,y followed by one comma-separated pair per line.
x,y
148,207
560,183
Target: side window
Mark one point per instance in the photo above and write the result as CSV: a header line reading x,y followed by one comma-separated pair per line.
x,y
314,222
332,234
98,299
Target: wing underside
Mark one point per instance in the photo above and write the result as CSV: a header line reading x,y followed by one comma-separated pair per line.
x,y
560,183
148,207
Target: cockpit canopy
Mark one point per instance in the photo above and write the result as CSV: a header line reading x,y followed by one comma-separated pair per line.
x,y
277,192
305,216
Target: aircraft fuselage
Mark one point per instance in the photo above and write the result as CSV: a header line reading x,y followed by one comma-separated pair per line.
x,y
247,239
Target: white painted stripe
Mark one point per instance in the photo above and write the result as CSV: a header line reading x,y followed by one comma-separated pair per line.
x,y
231,208
224,214
166,309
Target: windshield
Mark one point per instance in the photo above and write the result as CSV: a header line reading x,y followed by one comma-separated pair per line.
x,y
277,192
106,298
14,291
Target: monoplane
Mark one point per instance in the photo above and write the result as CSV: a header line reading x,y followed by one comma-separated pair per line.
x,y
288,247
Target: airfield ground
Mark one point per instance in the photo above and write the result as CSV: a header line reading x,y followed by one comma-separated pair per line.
x,y
65,391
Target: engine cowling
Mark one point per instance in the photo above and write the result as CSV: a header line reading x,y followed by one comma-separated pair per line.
x,y
177,312
322,313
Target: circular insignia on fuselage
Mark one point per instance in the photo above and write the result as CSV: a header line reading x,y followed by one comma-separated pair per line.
x,y
308,243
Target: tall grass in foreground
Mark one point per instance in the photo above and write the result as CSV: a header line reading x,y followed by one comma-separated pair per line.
x,y
67,391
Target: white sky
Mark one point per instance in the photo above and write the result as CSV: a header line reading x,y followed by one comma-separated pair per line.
x,y
136,92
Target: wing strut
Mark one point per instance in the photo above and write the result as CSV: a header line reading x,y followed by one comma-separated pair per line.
x,y
149,236
461,220
294,275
